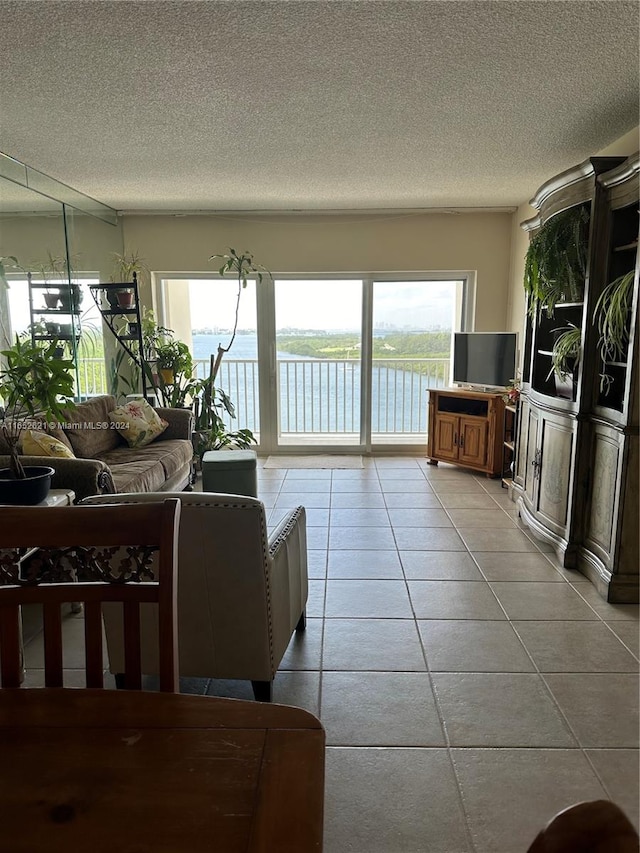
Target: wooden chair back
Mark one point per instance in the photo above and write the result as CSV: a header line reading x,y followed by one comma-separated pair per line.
x,y
89,554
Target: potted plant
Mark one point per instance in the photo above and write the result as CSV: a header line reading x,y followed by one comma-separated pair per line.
x,y
611,316
565,356
34,385
67,295
243,266
556,261
175,368
127,270
210,432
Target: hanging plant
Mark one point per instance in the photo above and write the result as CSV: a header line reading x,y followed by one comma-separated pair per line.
x,y
556,261
566,351
612,314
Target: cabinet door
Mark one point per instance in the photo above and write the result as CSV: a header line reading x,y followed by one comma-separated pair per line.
x,y
445,445
555,440
530,456
605,472
472,441
521,442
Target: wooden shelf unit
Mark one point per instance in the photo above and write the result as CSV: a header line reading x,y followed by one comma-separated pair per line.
x,y
509,443
466,428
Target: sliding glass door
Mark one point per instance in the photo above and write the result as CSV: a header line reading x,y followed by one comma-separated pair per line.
x,y
410,351
318,326
329,363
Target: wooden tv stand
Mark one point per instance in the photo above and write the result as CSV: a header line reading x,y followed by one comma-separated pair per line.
x,y
466,428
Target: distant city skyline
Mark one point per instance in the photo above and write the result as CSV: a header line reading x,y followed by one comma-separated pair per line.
x,y
329,304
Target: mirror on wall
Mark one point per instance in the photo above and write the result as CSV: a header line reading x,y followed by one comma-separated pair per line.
x,y
62,238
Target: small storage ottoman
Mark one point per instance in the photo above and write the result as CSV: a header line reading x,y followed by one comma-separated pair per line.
x,y
230,471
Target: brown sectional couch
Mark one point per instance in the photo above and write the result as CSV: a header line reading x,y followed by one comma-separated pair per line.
x,y
105,464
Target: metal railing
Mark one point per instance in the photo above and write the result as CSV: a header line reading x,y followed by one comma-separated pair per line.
x,y
322,396
319,396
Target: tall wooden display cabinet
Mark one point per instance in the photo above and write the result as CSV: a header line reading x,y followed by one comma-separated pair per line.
x,y
577,459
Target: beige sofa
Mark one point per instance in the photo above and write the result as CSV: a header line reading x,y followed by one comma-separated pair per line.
x,y
241,593
105,464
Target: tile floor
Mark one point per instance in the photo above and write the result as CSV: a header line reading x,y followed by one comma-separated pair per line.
x,y
469,687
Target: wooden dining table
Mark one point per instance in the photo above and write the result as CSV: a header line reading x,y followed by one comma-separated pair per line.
x,y
132,771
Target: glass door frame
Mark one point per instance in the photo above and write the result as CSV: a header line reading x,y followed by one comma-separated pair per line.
x,y
465,311
267,360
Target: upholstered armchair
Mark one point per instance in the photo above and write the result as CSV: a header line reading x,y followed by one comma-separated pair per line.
x,y
241,593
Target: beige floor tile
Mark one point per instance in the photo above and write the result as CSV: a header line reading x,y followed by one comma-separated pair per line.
x,y
405,486
307,474
541,601
290,500
516,567
629,633
307,486
305,648
372,644
511,794
454,600
499,709
317,517
315,600
357,499
473,646
359,517
372,487
619,770
317,537
300,689
379,709
466,500
401,500
483,518
575,647
372,599
385,474
439,565
419,517
427,539
317,563
602,708
361,538
386,463
383,565
443,485
507,539
606,611
392,801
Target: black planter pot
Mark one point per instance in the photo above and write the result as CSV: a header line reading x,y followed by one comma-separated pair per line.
x,y
32,490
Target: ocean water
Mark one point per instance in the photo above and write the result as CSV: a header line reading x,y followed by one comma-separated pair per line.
x,y
319,396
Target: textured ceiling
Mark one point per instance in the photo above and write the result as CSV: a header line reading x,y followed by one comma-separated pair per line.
x,y
314,105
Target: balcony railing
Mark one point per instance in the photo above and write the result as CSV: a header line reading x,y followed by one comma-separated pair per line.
x,y
320,396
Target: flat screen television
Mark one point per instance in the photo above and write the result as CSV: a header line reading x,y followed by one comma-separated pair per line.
x,y
484,358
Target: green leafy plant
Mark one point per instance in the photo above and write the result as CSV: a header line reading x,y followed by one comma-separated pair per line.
x,y
243,267
211,402
125,265
34,383
556,261
566,351
611,315
210,430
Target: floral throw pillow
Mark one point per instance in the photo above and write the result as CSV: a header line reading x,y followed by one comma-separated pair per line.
x,y
37,443
138,423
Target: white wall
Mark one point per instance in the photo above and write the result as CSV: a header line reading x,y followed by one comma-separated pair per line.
x,y
340,243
